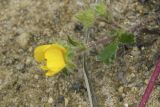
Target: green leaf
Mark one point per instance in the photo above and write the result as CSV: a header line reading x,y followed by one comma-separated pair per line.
x,y
76,43
108,54
86,17
69,57
126,38
101,9
73,42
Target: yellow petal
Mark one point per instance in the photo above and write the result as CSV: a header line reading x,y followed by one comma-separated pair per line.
x,y
39,52
57,46
55,59
50,73
44,68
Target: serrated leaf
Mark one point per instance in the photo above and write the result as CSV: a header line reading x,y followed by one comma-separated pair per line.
x,y
101,9
86,17
126,38
108,54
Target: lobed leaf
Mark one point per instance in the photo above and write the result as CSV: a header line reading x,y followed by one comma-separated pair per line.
x,y
86,17
108,54
101,9
126,38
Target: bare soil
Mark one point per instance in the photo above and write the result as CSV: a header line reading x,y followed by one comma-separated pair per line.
x,y
25,24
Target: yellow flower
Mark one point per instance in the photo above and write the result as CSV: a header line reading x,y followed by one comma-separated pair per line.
x,y
53,55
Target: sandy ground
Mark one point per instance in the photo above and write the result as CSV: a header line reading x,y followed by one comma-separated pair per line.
x,y
25,24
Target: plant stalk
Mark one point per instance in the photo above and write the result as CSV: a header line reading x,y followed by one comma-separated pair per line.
x,y
150,85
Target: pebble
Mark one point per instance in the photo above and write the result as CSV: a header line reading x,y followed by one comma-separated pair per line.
x,y
50,100
44,99
132,75
36,76
125,105
121,78
132,69
28,60
135,52
146,81
134,89
143,48
66,102
30,49
23,39
102,24
80,3
123,95
8,61
120,89
20,66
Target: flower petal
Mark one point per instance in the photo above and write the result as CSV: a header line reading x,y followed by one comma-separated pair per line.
x,y
55,59
50,73
44,68
59,47
39,52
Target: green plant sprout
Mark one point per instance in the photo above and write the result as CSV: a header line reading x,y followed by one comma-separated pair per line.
x,y
58,57
108,54
88,17
101,9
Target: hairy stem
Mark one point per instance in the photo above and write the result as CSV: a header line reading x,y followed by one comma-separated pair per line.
x,y
92,98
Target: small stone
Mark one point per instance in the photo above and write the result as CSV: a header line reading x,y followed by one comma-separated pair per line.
x,y
102,24
121,78
30,49
135,52
146,81
50,100
23,39
36,76
123,95
9,61
132,69
80,3
134,89
66,102
120,89
132,75
143,48
125,105
20,66
28,60
44,99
